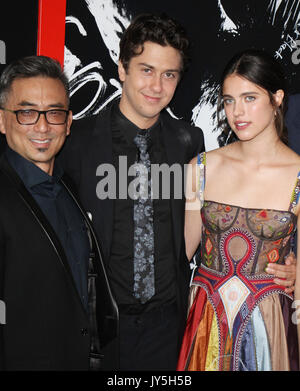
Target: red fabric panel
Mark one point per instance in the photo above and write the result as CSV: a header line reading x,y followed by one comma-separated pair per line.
x,y
193,321
51,29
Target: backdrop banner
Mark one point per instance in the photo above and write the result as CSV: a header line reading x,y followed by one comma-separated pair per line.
x,y
18,30
217,28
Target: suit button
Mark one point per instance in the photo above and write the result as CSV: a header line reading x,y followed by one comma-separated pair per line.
x,y
138,321
84,332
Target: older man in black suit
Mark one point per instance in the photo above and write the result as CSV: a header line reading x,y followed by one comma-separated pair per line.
x,y
60,312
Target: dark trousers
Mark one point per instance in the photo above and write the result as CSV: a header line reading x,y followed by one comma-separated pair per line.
x,y
149,342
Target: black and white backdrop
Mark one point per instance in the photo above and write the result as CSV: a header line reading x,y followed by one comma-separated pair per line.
x,y
217,30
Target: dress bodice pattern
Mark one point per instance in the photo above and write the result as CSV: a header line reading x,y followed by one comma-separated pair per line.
x,y
249,237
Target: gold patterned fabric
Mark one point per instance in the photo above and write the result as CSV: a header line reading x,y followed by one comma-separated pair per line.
x,y
272,314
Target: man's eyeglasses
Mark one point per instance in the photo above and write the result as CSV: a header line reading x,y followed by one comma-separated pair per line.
x,y
31,117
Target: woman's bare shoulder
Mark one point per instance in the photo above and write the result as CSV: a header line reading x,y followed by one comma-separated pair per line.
x,y
289,157
220,155
295,157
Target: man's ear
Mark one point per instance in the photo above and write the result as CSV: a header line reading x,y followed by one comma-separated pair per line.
x,y
2,122
121,71
278,96
69,122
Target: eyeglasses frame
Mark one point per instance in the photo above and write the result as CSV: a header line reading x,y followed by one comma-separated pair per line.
x,y
39,113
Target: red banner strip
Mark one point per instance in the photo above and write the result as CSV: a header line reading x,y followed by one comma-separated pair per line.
x,y
51,29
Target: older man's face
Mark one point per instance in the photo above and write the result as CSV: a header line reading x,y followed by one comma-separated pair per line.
x,y
38,143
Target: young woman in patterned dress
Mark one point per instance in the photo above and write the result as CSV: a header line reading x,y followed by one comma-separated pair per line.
x,y
242,205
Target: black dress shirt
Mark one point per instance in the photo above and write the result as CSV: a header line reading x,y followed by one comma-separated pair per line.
x,y
61,212
121,259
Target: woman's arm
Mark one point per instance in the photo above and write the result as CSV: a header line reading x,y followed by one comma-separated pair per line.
x,y
193,222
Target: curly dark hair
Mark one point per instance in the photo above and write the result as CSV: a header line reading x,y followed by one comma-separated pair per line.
x,y
262,69
162,30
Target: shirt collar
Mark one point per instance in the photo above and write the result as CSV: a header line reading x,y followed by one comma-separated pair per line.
x,y
31,174
128,129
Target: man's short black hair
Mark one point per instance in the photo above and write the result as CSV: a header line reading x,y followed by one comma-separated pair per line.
x,y
31,66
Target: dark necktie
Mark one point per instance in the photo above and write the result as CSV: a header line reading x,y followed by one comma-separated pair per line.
x,y
143,241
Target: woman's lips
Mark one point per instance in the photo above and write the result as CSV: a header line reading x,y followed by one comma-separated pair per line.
x,y
241,125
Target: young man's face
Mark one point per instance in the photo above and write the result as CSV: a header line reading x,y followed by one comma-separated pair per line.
x,y
38,143
150,83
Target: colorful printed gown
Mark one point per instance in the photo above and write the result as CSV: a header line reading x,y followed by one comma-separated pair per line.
x,y
239,319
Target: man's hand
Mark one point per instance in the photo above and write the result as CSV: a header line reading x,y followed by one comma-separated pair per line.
x,y
286,274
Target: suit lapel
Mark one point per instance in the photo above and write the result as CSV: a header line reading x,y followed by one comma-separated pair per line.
x,y
40,218
102,153
175,155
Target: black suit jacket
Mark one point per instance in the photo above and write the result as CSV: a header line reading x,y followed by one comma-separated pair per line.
x,y
292,120
90,145
47,326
